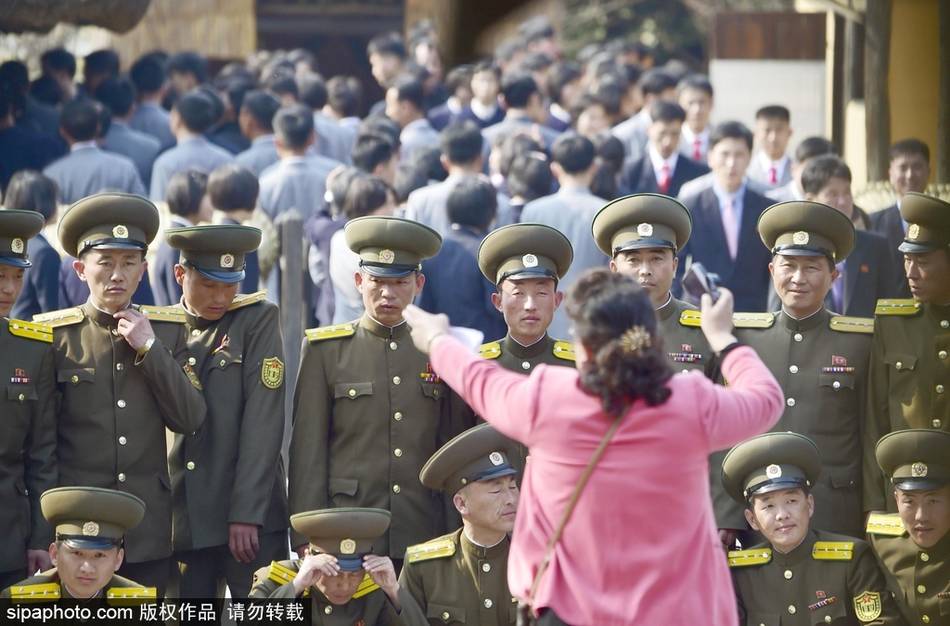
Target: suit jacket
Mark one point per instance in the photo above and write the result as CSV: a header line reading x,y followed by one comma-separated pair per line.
x,y
468,114
141,148
334,141
888,222
418,135
757,171
693,187
441,116
228,136
88,170
261,155
194,153
638,175
632,133
512,125
427,205
748,276
152,119
295,183
41,284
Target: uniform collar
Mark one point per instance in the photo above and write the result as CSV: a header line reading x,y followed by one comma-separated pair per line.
x,y
667,309
469,547
799,554
195,321
937,312
511,346
381,330
811,322
97,315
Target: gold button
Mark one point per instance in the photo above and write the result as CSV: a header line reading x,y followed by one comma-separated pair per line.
x,y
393,345
793,369
937,422
396,380
486,567
121,477
525,365
924,557
445,616
21,397
74,379
351,393
190,465
328,609
942,354
921,589
827,619
120,404
944,324
123,440
396,489
836,385
791,609
119,366
790,402
397,416
398,451
488,603
788,574
797,337
899,364
195,332
939,388
222,362
925,619
192,360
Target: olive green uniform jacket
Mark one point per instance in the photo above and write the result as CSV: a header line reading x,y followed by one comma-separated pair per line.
x,y
828,579
909,381
821,363
46,587
450,580
230,471
921,577
113,411
368,414
27,438
369,606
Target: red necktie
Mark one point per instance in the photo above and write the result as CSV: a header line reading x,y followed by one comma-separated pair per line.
x,y
665,178
697,149
773,175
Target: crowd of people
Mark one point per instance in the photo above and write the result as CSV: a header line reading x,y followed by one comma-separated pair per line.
x,y
485,193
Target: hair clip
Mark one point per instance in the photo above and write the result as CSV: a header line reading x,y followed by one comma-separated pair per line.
x,y
635,339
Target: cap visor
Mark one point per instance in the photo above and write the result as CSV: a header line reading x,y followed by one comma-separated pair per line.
x,y
778,485
918,484
349,563
497,472
116,245
389,271
800,252
530,272
223,277
90,543
918,248
641,244
15,262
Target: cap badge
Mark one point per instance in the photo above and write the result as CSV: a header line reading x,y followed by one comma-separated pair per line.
x,y
387,256
227,261
913,231
90,529
773,471
496,458
918,470
800,238
529,260
645,229
120,232
17,246
347,546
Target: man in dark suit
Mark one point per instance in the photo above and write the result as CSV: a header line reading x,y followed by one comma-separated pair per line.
x,y
725,216
459,83
662,168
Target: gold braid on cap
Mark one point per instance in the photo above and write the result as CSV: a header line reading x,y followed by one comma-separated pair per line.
x,y
635,339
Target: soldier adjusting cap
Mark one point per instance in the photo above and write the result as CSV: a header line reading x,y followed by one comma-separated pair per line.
x,y
346,533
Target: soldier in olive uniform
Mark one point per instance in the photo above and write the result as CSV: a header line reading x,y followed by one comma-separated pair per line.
x,y
462,577
368,409
801,575
913,545
346,583
228,485
819,358
525,262
28,427
90,524
910,357
120,380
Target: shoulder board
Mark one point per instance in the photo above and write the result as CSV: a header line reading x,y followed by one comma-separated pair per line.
x,y
852,324
742,558
690,318
490,350
564,350
885,524
42,592
833,550
172,314
435,549
63,317
31,330
330,332
131,593
904,306
366,587
245,299
753,320
280,574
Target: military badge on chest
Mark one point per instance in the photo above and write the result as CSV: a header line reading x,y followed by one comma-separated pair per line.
x,y
20,377
823,601
429,376
839,365
685,355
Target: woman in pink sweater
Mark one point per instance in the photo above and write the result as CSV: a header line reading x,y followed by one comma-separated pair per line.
x,y
641,546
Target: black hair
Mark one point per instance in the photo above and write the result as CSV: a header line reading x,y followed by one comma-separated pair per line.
x,y
458,77
656,81
101,63
371,150
364,195
381,125
774,112
147,74
461,142
293,126
198,110
389,44
536,62
908,147
472,202
80,119
609,149
699,82
517,89
730,130
811,147
284,84
822,169
58,60
117,94
610,94
663,111
408,178
313,91
338,185
15,75
262,106
188,63
233,187
536,28
516,145
428,160
409,89
46,90
529,177
344,94
185,191
29,190
573,152
487,65
562,75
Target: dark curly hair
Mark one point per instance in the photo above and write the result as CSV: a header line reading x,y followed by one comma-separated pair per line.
x,y
603,305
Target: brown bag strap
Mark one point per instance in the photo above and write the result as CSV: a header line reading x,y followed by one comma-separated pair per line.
x,y
575,496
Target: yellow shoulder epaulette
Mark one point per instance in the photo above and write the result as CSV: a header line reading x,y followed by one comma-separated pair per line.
x,y
330,332
38,592
244,299
490,350
753,320
742,558
280,574
564,350
133,595
852,324
367,586
690,318
63,317
31,330
885,524
833,550
902,306
435,549
173,314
